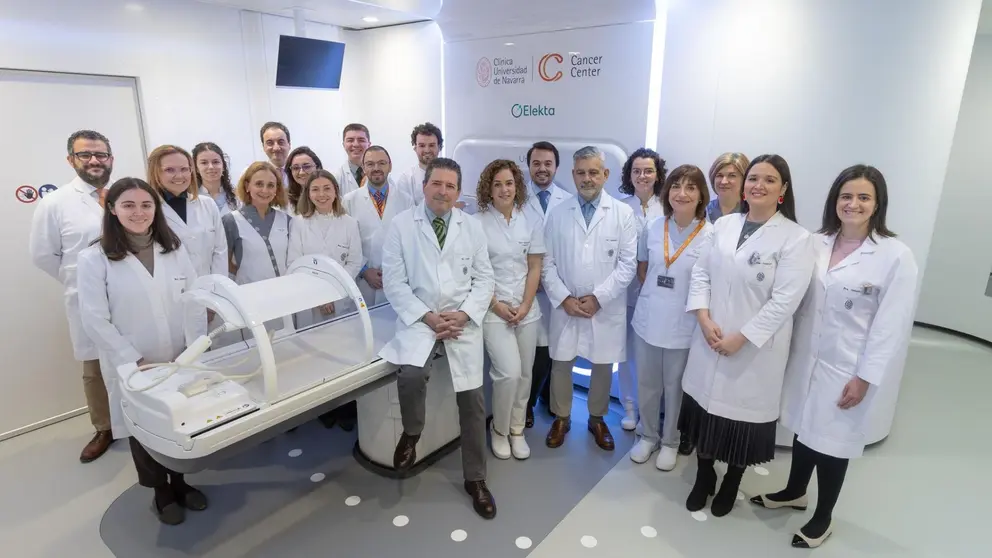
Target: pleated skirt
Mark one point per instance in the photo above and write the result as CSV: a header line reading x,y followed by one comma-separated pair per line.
x,y
733,442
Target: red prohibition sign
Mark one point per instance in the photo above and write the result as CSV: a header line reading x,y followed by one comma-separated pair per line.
x,y
26,194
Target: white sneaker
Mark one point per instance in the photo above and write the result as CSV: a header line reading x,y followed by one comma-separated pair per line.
x,y
519,447
667,458
629,422
642,450
501,446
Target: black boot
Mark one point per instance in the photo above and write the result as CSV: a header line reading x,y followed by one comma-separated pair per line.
x,y
704,486
724,500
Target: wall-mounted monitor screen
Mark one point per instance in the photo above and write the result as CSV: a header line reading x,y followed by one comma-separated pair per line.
x,y
310,63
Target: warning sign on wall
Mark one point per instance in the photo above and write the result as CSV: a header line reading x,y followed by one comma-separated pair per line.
x,y
27,194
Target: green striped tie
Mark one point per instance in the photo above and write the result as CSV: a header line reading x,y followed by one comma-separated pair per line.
x,y
440,229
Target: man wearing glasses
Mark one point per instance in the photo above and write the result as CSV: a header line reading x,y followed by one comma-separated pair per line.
x,y
65,222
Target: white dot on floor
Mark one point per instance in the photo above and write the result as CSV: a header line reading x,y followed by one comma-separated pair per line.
x,y
649,532
352,501
740,495
699,516
761,471
589,542
458,535
295,453
523,543
401,521
317,477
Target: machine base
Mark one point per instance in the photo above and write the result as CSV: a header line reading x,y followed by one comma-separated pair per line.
x,y
418,467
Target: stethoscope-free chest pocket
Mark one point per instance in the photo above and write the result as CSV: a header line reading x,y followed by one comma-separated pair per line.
x,y
760,269
343,249
523,246
608,250
858,297
178,287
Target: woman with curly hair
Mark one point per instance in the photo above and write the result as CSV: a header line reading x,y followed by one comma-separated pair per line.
x,y
516,249
301,164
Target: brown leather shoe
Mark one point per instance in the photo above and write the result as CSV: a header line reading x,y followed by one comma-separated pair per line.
x,y
98,446
406,453
556,436
482,500
601,433
530,418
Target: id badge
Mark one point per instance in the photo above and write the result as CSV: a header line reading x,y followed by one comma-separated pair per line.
x,y
666,282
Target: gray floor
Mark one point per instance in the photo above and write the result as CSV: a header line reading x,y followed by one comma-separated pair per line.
x,y
921,493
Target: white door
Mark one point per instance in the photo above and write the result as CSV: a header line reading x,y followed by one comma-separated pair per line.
x,y
41,381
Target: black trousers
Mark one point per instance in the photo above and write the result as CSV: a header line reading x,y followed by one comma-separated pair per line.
x,y
539,385
151,473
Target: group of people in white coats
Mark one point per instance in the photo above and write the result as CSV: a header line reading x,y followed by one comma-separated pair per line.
x,y
752,321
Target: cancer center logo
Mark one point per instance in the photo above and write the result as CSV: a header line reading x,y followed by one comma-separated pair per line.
x,y
551,67
484,71
542,67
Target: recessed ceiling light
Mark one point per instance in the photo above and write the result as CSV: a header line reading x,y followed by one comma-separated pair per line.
x,y
370,19
508,44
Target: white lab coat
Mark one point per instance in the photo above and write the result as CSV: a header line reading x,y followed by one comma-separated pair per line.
x,y
346,180
335,236
66,222
221,201
654,209
202,234
596,260
533,206
659,317
130,314
412,183
256,264
418,276
754,290
373,229
855,320
509,245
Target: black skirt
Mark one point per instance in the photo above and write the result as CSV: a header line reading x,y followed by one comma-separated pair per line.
x,y
734,442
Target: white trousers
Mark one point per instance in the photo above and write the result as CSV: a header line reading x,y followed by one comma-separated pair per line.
x,y
627,370
511,356
659,375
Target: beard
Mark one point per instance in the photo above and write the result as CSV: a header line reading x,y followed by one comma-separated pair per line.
x,y
98,182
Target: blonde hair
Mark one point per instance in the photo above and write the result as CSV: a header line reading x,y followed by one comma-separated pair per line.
x,y
258,166
306,207
155,161
737,160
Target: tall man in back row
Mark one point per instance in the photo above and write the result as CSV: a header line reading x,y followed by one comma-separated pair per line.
x,y
438,278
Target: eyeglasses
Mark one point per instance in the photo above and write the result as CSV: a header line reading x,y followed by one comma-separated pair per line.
x,y
643,172
85,156
307,167
376,164
172,171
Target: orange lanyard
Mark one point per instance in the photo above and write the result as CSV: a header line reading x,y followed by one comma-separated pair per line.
x,y
670,260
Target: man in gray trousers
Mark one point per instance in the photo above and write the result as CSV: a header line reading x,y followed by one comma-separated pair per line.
x,y
438,279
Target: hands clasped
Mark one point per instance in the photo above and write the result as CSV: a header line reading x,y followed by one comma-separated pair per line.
x,y
446,325
581,307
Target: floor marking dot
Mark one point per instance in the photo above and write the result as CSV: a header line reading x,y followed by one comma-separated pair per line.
x,y
401,521
458,535
352,501
523,543
649,532
317,477
761,471
588,541
295,453
699,516
740,496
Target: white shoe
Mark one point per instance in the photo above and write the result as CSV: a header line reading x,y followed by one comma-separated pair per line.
x,y
642,450
666,458
501,445
519,447
629,422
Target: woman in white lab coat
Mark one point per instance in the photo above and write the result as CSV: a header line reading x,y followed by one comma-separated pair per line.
x,y
642,177
851,338
515,238
214,176
744,292
662,330
301,164
323,227
727,180
130,282
194,219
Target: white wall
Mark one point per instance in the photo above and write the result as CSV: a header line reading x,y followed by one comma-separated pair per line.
x,y
826,85
957,272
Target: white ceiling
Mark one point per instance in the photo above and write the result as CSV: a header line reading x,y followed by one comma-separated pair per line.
x,y
344,13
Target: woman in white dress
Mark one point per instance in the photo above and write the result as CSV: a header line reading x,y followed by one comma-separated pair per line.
x,y
642,177
744,291
323,227
668,248
516,249
851,337
301,164
130,282
213,174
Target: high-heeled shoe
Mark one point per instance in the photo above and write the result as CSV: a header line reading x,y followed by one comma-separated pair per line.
x,y
799,540
800,503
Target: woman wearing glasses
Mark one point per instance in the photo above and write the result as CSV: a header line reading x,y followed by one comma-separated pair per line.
x,y
214,176
301,164
194,219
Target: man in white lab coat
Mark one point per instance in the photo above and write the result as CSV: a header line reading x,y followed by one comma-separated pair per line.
x,y
427,142
65,222
355,139
277,145
542,162
591,243
439,280
374,206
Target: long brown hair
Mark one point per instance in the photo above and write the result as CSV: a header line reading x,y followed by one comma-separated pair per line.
x,y
114,236
306,207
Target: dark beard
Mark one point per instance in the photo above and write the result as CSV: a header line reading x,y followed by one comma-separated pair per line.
x,y
96,182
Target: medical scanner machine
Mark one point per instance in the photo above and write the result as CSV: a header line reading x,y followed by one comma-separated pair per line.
x,y
206,406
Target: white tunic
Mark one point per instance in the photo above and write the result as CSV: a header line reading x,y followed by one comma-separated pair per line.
x,y
373,228
642,215
257,261
509,245
412,183
335,236
202,234
533,206
346,180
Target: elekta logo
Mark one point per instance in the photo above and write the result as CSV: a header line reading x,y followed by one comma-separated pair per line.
x,y
518,110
